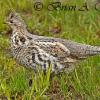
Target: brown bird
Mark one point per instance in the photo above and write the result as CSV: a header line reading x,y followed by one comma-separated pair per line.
x,y
35,52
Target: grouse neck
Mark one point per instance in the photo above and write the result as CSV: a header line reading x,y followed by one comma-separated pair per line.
x,y
20,30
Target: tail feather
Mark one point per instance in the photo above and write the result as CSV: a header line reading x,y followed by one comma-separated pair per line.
x,y
81,50
92,50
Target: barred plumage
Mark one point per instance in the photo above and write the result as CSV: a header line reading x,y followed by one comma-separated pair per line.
x,y
32,50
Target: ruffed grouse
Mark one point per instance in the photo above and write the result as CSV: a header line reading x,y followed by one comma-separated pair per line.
x,y
35,52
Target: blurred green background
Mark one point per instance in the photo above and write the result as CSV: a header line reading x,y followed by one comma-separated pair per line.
x,y
80,26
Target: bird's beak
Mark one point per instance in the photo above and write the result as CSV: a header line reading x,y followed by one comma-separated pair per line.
x,y
6,21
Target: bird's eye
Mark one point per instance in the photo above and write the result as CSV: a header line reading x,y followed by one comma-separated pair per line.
x,y
11,16
11,21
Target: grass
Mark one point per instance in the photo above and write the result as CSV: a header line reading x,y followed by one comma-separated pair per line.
x,y
80,26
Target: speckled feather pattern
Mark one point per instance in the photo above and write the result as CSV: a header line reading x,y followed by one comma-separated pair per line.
x,y
32,50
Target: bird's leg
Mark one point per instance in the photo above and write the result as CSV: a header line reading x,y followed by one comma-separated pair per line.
x,y
34,75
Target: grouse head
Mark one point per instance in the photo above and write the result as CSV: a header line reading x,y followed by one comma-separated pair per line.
x,y
15,21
